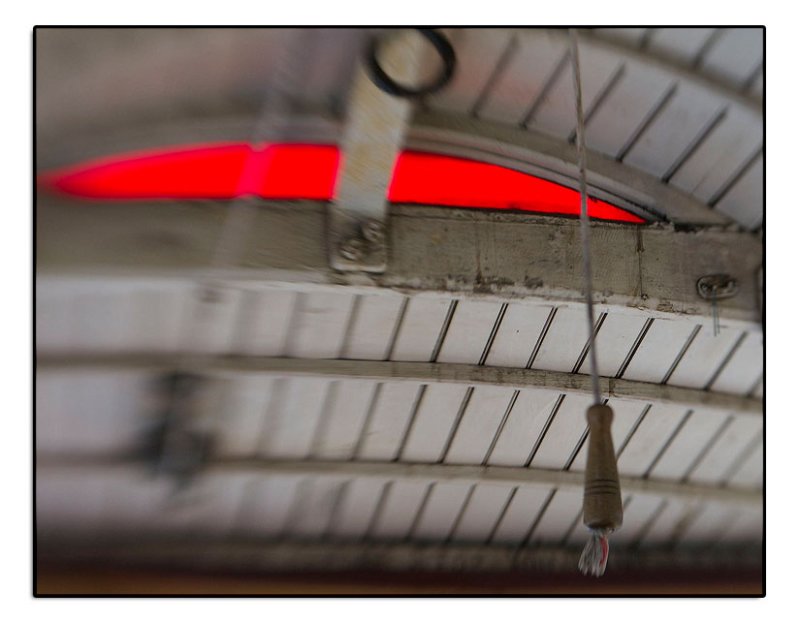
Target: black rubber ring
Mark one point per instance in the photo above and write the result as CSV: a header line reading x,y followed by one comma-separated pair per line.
x,y
387,85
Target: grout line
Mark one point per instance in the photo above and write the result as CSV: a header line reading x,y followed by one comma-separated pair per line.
x,y
503,62
493,334
644,40
271,421
461,513
633,429
543,433
411,420
529,535
601,97
297,309
437,346
548,86
502,515
636,344
707,447
420,510
401,315
726,360
648,121
667,444
740,459
324,419
648,524
754,387
459,416
500,428
355,308
737,175
336,508
540,339
751,79
585,351
577,449
690,150
299,501
712,39
376,513
571,529
685,523
682,352
362,434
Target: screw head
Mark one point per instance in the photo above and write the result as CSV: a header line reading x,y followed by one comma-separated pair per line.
x,y
374,232
352,249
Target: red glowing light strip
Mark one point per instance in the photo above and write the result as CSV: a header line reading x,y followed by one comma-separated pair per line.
x,y
298,171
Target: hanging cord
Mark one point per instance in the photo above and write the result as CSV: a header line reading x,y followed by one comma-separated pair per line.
x,y
585,227
602,503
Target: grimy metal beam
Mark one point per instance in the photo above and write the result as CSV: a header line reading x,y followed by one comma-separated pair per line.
x,y
648,268
423,372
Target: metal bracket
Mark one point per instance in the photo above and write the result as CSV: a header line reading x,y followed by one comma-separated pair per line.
x,y
374,133
717,286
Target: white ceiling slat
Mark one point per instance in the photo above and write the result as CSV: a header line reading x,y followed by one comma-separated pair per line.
x,y
721,154
478,425
626,414
735,55
525,422
241,423
433,422
747,526
399,510
636,515
674,129
744,201
750,474
80,413
159,316
319,324
631,36
649,438
744,368
419,329
312,510
516,89
708,525
661,531
564,341
658,350
556,113
441,511
682,44
469,331
520,514
730,444
693,437
517,335
352,519
626,108
704,357
564,433
291,428
69,502
266,505
211,321
481,513
374,325
349,408
557,518
478,51
389,419
613,342
264,324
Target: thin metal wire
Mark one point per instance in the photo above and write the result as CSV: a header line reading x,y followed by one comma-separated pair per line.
x,y
580,142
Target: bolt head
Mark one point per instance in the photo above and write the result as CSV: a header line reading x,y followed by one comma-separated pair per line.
x,y
374,232
352,249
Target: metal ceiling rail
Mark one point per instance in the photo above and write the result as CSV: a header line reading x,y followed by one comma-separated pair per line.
x,y
422,372
499,475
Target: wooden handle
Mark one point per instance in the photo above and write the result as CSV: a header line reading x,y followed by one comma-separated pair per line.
x,y
602,501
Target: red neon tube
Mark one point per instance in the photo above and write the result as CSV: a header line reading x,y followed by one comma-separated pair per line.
x,y
300,171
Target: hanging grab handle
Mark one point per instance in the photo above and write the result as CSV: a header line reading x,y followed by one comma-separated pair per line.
x,y
602,500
